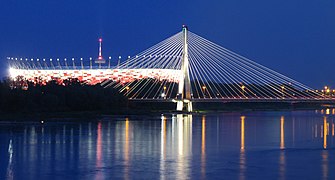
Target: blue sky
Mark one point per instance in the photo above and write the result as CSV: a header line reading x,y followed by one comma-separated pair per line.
x,y
295,38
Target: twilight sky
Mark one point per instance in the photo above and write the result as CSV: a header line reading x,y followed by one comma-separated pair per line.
x,y
295,38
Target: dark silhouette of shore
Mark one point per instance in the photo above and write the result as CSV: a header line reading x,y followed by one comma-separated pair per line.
x,y
21,99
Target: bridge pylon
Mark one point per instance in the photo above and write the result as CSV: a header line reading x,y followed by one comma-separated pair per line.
x,y
184,86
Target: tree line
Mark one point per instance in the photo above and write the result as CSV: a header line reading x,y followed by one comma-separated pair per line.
x,y
71,96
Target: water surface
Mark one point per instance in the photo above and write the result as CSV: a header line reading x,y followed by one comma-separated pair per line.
x,y
241,145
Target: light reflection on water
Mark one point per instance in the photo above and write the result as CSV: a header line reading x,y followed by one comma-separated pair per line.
x,y
242,151
248,145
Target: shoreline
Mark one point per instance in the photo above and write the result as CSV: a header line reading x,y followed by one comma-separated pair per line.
x,y
70,116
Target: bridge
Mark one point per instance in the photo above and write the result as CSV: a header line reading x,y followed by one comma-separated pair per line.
x,y
183,68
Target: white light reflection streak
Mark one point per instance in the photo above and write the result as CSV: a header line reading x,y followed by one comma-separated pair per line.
x,y
90,143
184,129
9,174
180,134
163,148
32,148
99,174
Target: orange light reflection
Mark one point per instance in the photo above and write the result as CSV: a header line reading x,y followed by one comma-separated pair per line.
x,y
325,132
282,135
203,146
242,153
242,133
126,149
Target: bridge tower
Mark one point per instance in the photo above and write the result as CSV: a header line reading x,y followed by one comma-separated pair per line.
x,y
184,87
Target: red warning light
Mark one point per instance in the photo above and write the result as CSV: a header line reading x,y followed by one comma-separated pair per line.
x,y
100,39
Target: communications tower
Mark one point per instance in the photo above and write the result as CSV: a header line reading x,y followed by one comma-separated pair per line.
x,y
100,60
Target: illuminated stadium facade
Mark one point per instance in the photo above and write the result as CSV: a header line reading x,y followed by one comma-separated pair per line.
x,y
94,76
42,70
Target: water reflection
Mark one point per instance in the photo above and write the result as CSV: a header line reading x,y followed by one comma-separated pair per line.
x,y
242,151
163,149
325,164
282,133
242,133
10,174
90,142
99,165
173,146
126,149
325,132
184,134
203,147
282,161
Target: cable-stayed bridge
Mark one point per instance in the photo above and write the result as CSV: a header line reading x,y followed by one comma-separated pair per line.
x,y
183,68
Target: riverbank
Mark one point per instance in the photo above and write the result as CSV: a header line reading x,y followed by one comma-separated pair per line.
x,y
151,109
80,101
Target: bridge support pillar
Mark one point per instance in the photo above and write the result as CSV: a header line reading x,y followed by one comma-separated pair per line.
x,y
187,105
184,87
180,105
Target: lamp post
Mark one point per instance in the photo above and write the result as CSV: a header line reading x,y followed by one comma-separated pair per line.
x,y
81,63
109,62
90,62
118,63
326,91
164,92
282,90
204,91
243,87
127,90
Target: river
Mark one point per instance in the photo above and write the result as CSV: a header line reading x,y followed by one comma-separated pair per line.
x,y
236,145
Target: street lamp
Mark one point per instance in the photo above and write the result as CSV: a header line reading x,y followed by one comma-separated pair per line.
x,y
204,90
282,90
164,92
109,62
118,63
127,89
326,91
90,62
243,87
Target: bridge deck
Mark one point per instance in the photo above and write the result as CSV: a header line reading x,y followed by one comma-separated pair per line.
x,y
261,100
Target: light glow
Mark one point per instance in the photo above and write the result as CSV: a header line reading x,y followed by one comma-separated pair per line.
x,y
94,76
13,73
